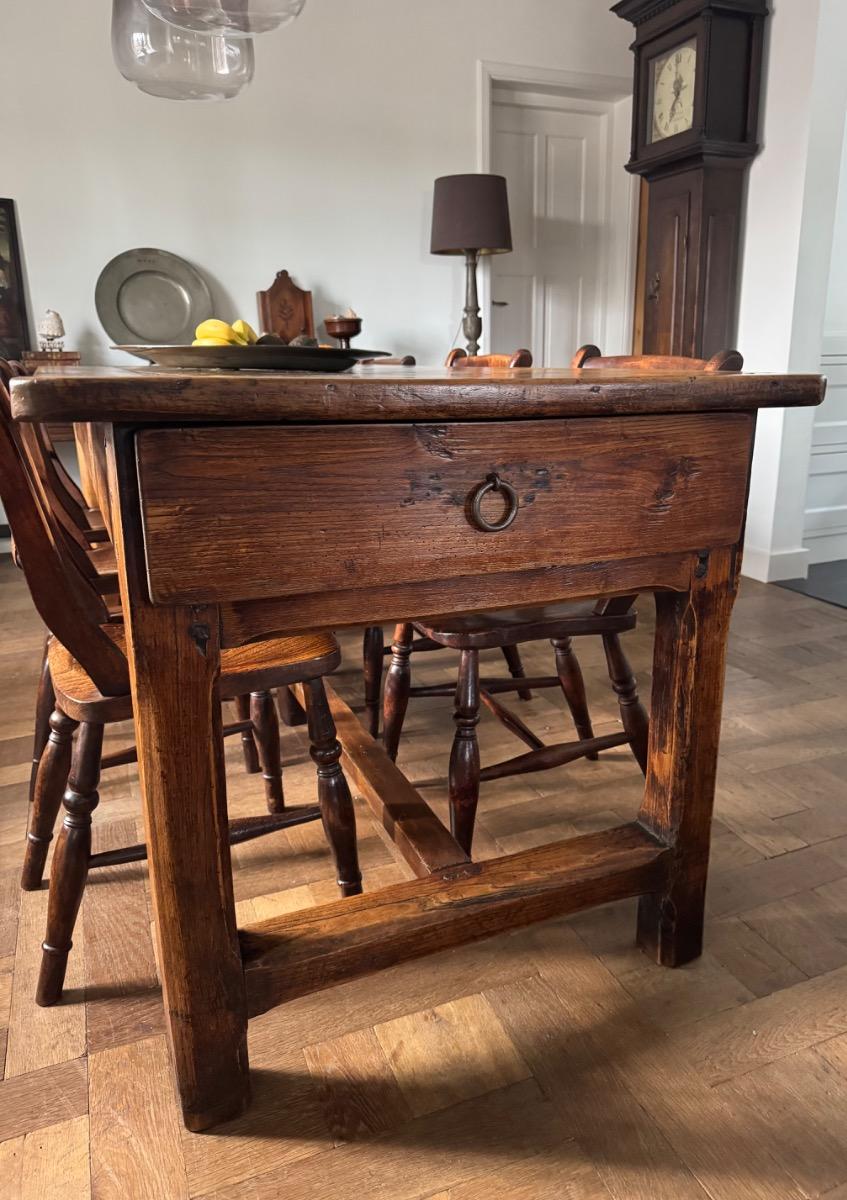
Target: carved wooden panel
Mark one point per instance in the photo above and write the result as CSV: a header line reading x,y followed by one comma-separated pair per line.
x,y
286,309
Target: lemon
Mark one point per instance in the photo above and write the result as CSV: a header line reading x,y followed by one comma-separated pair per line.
x,y
243,330
219,329
213,341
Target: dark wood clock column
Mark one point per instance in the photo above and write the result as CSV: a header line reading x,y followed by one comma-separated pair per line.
x,y
698,66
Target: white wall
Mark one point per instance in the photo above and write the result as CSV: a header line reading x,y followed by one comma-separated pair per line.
x,y
323,166
835,330
826,496
788,246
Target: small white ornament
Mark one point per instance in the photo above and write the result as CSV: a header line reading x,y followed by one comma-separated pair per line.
x,y
51,331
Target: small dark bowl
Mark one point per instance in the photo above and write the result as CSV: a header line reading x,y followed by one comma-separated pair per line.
x,y
343,327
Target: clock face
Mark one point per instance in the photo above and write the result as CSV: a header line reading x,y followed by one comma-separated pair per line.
x,y
673,91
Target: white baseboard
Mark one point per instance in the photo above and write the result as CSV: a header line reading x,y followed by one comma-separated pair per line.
x,y
768,567
830,547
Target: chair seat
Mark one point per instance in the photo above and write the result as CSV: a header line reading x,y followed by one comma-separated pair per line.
x,y
511,626
259,666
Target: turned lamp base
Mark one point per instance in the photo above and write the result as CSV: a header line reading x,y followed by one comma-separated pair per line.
x,y
472,322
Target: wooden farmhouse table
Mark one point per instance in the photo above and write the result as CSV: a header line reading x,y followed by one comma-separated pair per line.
x,y
244,504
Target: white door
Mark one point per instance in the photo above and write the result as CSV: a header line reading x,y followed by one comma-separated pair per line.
x,y
551,294
826,497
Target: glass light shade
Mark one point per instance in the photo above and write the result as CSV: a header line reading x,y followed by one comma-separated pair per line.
x,y
237,18
173,63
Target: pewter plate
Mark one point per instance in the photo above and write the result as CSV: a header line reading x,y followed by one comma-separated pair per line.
x,y
148,295
251,358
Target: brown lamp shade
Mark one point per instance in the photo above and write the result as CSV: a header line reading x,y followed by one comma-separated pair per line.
x,y
471,212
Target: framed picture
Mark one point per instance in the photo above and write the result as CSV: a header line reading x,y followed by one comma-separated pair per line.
x,y
14,325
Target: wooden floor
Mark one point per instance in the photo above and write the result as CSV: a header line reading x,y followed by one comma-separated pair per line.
x,y
554,1062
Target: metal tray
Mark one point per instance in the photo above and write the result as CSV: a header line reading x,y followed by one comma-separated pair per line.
x,y
251,358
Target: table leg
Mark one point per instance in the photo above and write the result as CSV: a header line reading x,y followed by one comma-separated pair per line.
x,y
174,666
688,677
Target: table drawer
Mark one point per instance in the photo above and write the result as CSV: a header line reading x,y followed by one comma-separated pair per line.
x,y
228,511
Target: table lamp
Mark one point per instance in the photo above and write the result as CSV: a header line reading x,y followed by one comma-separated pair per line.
x,y
470,216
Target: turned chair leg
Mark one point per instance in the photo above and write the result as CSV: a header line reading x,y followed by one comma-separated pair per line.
x,y
70,863
464,757
339,819
266,732
398,680
50,784
372,648
45,702
512,656
248,742
573,686
634,717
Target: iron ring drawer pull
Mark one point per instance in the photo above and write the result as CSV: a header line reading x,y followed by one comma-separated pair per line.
x,y
493,483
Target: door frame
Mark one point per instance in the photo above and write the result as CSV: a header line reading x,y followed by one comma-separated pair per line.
x,y
623,197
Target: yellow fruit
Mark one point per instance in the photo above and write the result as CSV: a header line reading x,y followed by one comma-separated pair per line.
x,y
245,331
219,329
213,341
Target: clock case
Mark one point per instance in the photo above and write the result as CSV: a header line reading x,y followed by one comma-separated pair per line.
x,y
729,36
694,180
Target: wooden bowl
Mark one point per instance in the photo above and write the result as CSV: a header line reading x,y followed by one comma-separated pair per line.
x,y
343,328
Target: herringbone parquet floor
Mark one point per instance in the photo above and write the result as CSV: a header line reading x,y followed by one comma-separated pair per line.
x,y
554,1062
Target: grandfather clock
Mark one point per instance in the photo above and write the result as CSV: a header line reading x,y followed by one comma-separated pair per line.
x,y
698,67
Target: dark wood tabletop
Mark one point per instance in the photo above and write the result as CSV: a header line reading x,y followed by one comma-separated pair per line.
x,y
145,394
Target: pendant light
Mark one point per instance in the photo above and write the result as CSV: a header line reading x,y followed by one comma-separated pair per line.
x,y
175,64
236,18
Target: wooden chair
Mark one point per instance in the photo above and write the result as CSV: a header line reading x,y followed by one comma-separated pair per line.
x,y
70,503
509,628
88,519
32,444
89,675
560,623
286,309
462,360
84,533
82,529
590,358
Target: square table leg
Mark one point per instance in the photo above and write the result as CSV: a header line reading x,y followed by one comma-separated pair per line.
x,y
688,676
174,667
174,664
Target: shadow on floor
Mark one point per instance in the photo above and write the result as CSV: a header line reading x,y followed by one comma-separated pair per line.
x,y
827,582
